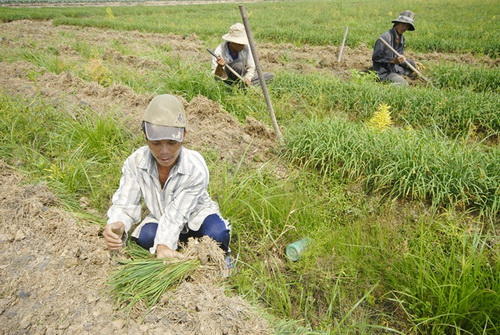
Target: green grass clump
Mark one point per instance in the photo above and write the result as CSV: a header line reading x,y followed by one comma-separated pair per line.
x,y
77,153
365,258
456,113
48,61
449,284
455,76
401,163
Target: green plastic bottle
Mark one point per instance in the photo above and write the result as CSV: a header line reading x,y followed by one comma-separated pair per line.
x,y
294,250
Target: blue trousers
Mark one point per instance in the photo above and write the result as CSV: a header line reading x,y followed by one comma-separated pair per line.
x,y
213,226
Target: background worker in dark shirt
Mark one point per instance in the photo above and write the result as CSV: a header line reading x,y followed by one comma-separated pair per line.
x,y
386,63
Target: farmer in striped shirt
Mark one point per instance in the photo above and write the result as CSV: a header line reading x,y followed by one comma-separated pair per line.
x,y
172,181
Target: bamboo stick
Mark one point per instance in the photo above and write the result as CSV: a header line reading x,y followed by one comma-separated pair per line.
x,y
343,42
259,71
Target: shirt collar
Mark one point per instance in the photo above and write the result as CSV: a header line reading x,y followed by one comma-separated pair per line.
x,y
182,165
396,33
231,53
148,163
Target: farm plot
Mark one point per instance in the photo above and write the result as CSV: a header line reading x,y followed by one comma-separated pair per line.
x,y
52,258
353,279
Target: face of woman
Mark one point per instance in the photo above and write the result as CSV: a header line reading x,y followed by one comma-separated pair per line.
x,y
166,152
402,27
236,47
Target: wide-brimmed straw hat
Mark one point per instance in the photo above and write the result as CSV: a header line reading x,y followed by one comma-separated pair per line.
x,y
165,119
236,34
406,16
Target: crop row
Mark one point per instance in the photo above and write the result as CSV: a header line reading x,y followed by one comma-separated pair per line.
x,y
401,163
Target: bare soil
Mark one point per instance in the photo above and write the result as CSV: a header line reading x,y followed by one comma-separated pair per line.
x,y
53,268
54,273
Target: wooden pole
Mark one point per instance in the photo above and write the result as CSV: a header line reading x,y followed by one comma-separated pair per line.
x,y
343,42
253,49
407,63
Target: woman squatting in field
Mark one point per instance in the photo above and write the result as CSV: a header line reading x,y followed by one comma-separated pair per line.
x,y
235,52
173,182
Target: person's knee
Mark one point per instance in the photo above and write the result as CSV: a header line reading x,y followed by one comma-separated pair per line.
x,y
147,235
216,228
397,80
268,76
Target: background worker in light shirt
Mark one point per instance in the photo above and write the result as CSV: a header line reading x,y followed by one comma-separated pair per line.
x,y
236,53
172,181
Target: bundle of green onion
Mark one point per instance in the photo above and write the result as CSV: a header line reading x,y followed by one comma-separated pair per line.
x,y
145,280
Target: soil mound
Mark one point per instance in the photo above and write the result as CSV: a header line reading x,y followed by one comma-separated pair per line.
x,y
55,272
210,127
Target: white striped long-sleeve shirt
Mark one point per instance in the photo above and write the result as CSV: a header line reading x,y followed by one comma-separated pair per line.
x,y
183,202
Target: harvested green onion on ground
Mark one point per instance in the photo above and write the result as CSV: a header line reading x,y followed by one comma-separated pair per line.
x,y
135,251
141,279
145,280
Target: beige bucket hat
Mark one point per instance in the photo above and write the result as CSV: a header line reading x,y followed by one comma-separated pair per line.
x,y
165,119
236,34
406,16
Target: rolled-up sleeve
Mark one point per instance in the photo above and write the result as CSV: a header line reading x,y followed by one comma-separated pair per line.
x,y
218,51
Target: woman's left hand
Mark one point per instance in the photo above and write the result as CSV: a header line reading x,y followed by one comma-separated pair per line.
x,y
162,251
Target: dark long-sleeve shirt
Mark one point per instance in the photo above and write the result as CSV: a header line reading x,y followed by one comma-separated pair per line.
x,y
382,55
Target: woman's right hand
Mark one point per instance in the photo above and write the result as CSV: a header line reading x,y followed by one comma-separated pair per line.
x,y
221,61
113,234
